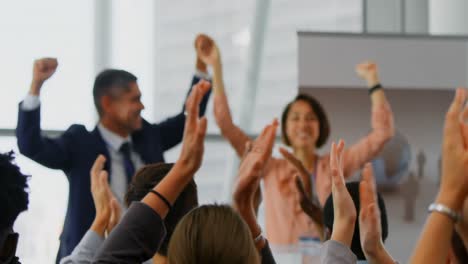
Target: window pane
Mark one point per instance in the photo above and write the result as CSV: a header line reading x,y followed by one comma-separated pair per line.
x,y
54,28
278,75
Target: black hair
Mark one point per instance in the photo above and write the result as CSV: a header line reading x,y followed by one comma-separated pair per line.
x,y
145,180
110,82
14,196
353,189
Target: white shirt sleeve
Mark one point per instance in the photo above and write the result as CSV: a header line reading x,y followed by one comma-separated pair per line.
x,y
30,102
202,75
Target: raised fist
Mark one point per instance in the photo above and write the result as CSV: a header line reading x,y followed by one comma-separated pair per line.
x,y
368,71
206,49
43,69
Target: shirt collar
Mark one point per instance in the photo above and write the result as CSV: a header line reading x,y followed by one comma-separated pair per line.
x,y
111,138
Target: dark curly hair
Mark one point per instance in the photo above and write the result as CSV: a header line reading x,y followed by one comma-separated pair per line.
x,y
14,196
324,125
145,180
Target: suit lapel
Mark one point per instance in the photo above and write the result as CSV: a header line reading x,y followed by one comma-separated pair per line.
x,y
102,149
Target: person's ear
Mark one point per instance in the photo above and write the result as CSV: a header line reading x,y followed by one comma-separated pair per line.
x,y
106,103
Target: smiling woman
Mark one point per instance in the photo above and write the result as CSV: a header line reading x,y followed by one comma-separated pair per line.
x,y
305,128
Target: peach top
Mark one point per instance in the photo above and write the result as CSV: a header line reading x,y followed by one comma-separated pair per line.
x,y
285,220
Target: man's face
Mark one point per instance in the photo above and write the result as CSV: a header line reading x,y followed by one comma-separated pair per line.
x,y
125,109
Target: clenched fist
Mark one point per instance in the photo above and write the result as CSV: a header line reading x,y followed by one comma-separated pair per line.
x,y
206,49
368,71
42,70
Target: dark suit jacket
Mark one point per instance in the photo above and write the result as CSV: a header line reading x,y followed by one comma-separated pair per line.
x,y
138,237
75,151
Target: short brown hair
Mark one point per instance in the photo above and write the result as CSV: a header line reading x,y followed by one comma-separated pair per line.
x,y
145,180
324,125
212,234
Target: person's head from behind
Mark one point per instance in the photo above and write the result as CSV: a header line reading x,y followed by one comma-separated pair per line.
x,y
117,98
212,234
328,215
304,123
14,199
145,180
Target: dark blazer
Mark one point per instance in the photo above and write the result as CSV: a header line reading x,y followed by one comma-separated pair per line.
x,y
75,151
138,237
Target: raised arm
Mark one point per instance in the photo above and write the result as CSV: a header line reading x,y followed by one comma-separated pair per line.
x,y
141,231
172,129
209,53
370,228
337,249
250,173
435,240
107,216
382,124
53,153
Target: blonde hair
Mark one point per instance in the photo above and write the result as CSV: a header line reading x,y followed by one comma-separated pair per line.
x,y
212,234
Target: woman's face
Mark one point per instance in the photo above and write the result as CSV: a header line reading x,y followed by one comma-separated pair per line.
x,y
302,125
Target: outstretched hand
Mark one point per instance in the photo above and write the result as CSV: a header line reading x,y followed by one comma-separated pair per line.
x,y
344,210
255,158
107,207
251,168
370,228
309,204
454,182
191,155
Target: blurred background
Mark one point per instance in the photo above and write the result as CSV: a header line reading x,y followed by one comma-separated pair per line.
x,y
154,40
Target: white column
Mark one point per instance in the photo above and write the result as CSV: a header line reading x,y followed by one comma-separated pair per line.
x,y
416,16
448,17
102,34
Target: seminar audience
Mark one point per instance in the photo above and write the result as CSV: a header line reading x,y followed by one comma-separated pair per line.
x,y
164,223
108,210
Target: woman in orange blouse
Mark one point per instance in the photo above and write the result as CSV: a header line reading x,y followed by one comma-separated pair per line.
x,y
305,128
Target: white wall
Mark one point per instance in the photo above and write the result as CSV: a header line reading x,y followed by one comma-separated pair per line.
x,y
418,115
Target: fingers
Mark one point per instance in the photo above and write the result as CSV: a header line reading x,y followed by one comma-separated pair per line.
x,y
340,150
287,155
266,140
270,136
452,134
202,125
46,63
464,125
103,178
247,149
114,218
366,197
192,105
368,176
336,156
97,167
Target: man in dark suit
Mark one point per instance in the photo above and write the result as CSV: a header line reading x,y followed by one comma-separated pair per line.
x,y
121,135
